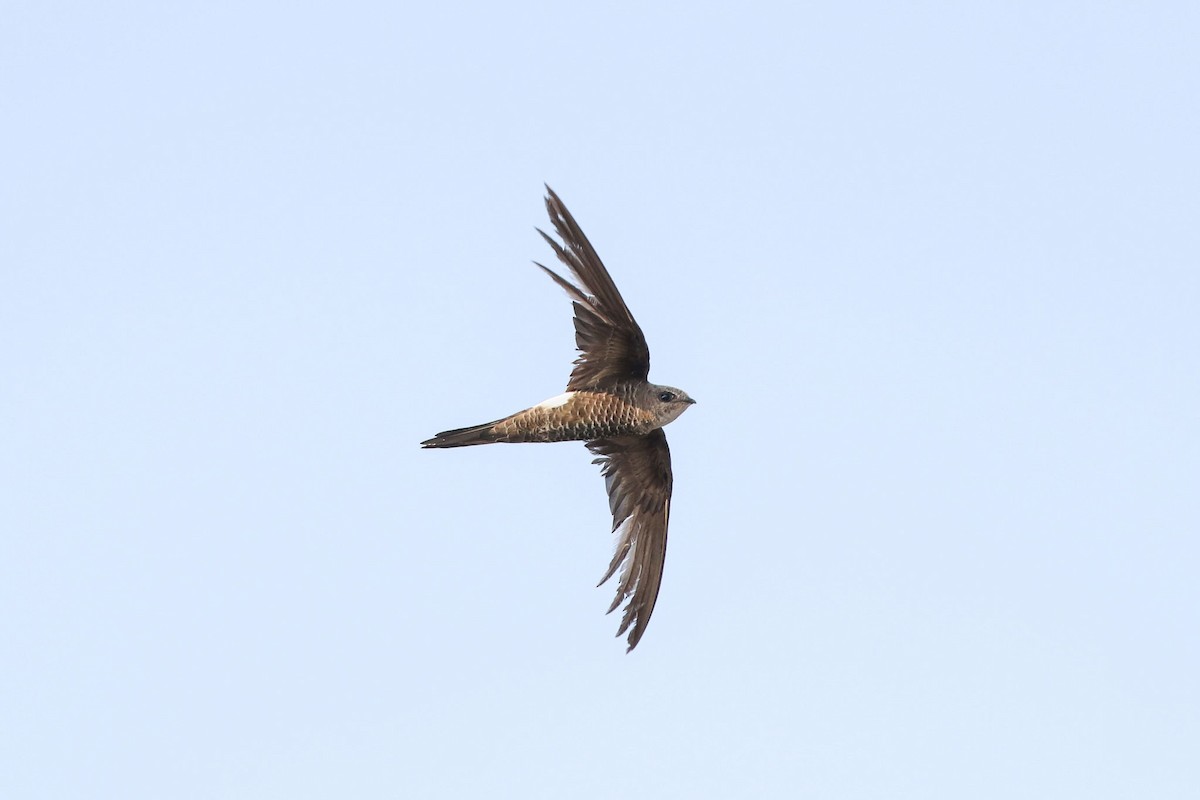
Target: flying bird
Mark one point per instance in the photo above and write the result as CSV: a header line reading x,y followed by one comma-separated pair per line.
x,y
619,415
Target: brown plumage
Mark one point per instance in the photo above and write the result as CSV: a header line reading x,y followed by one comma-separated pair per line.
x,y
610,405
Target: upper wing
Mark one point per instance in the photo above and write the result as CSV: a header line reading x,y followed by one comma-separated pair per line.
x,y
612,347
637,474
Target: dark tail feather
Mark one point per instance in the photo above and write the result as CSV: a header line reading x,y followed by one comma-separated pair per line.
x,y
464,437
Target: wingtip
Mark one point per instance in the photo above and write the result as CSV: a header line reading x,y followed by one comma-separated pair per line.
x,y
554,207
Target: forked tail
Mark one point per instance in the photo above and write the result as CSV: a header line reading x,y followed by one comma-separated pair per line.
x,y
465,437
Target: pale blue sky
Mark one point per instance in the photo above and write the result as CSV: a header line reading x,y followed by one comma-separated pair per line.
x,y
932,271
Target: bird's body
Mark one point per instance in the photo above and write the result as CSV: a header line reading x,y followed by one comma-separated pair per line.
x,y
611,406
572,416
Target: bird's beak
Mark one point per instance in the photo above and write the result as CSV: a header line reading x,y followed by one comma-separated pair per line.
x,y
691,402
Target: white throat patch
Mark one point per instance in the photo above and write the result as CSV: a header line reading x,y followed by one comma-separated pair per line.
x,y
555,402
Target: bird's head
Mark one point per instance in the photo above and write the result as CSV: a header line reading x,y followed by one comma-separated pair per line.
x,y
668,402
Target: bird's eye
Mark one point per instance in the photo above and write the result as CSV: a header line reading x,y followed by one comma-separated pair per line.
x,y
666,397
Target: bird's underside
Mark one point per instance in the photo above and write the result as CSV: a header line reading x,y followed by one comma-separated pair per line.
x,y
610,405
573,416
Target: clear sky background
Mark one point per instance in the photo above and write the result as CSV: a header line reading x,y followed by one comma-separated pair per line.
x,y
932,271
